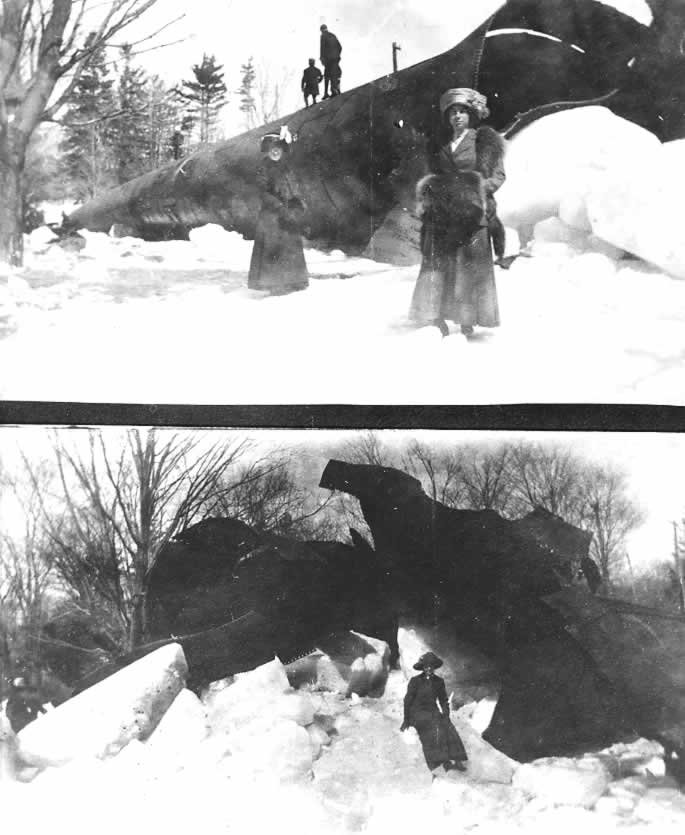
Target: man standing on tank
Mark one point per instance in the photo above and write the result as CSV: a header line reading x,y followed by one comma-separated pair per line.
x,y
330,53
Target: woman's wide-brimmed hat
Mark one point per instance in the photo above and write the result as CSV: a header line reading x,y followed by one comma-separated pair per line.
x,y
467,97
428,659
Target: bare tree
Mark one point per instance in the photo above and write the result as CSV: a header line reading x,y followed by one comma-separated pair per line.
x,y
269,89
442,471
123,506
368,449
609,512
266,495
547,476
44,47
592,496
25,575
487,478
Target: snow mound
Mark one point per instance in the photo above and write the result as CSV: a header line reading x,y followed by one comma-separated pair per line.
x,y
261,768
560,781
214,243
485,763
182,727
558,159
637,207
251,695
103,719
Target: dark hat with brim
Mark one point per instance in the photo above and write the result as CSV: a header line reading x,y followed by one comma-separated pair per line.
x,y
428,659
272,140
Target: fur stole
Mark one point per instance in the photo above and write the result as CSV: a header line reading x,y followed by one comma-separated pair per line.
x,y
489,150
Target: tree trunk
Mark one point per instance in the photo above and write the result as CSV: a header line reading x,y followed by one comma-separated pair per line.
x,y
11,210
137,630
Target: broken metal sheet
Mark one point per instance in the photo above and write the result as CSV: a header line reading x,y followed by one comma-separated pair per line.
x,y
640,650
577,671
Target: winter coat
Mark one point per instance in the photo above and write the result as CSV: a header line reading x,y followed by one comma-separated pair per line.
x,y
277,262
424,694
439,738
311,78
457,279
330,49
480,150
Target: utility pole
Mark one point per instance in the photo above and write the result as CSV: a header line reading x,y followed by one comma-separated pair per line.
x,y
678,569
395,49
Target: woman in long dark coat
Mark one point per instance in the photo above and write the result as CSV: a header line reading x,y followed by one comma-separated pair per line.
x,y
439,739
277,264
457,278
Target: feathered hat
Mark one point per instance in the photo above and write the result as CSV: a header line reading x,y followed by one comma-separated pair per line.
x,y
472,99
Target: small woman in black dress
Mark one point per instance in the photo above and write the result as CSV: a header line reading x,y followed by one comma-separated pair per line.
x,y
440,741
457,279
277,264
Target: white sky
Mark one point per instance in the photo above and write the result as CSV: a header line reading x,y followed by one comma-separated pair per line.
x,y
282,34
654,463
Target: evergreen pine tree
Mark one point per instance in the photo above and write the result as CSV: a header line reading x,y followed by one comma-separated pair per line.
x,y
85,150
131,148
205,96
163,117
247,101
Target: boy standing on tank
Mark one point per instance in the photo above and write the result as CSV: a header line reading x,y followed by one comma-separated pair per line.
x,y
311,78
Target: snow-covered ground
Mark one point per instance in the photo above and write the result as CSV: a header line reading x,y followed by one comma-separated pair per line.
x,y
582,321
256,755
174,323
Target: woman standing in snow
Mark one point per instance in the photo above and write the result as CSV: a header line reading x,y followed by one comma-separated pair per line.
x,y
277,264
440,741
457,278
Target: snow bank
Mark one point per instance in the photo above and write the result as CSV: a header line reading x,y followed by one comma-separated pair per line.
x,y
261,705
250,695
346,341
637,207
641,757
8,749
183,726
104,718
328,676
558,158
485,763
559,781
259,767
611,326
587,171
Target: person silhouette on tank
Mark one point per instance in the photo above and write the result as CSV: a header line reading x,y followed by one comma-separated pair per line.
x,y
329,54
311,78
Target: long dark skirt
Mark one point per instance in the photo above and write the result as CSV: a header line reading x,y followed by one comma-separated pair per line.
x,y
460,287
277,264
439,740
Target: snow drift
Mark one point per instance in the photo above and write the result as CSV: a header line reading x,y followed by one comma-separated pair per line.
x,y
105,718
